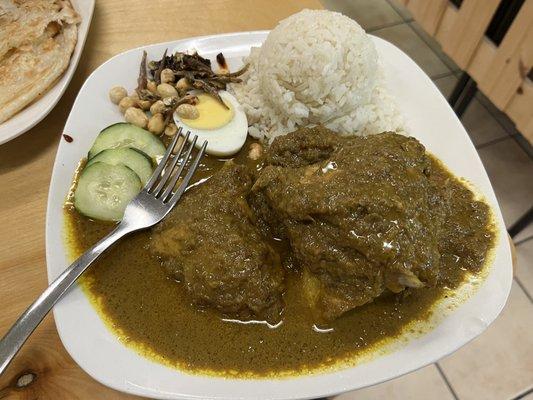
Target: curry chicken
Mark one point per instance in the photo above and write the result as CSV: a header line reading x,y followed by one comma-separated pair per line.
x,y
315,252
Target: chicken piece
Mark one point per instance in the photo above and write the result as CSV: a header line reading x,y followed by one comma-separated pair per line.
x,y
360,213
210,244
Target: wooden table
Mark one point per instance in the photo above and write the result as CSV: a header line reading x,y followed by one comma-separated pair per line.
x,y
43,369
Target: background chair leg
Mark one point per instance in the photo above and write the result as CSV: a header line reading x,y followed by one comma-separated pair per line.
x,y
522,222
462,94
458,89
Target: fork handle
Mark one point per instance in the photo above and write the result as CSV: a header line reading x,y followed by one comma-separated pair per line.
x,y
32,317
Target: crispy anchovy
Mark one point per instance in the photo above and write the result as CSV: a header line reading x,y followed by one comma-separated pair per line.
x,y
221,61
189,76
195,74
200,59
160,67
199,84
225,79
142,80
217,84
145,94
197,71
239,72
194,63
168,115
187,99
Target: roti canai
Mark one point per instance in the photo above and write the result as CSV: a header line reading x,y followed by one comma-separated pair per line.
x,y
37,38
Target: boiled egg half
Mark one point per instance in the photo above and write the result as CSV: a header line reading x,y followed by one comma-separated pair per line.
x,y
224,128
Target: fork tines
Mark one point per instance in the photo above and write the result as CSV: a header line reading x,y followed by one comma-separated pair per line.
x,y
169,170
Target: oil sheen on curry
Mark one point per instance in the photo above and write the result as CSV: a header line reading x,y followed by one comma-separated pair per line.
x,y
320,251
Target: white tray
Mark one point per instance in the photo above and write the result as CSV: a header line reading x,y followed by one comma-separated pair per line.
x,y
100,353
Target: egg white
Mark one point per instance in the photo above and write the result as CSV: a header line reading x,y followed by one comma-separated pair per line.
x,y
226,140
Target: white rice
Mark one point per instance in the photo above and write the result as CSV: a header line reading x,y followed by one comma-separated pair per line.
x,y
316,67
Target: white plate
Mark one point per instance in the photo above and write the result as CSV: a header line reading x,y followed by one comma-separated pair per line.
x,y
100,353
28,117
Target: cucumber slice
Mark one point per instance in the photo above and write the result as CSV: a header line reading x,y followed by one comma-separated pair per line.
x,y
131,158
128,135
104,191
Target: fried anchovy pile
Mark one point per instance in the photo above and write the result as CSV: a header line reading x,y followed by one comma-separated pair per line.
x,y
197,72
170,103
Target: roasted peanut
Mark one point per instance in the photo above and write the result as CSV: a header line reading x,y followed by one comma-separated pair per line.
x,y
126,103
156,124
187,111
182,85
157,107
255,151
166,90
167,76
170,101
151,86
136,117
144,104
117,93
171,129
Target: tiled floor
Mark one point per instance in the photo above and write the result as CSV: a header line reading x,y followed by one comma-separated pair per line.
x,y
405,37
498,364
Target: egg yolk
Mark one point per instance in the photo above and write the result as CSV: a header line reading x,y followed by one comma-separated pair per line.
x,y
213,114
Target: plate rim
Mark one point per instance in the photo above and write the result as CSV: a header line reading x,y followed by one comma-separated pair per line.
x,y
325,392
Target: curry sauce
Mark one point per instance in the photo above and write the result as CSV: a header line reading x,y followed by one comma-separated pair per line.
x,y
152,313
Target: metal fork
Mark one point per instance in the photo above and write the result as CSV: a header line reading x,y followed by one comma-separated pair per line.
x,y
148,208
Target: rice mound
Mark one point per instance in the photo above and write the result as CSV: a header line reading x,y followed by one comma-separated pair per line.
x,y
316,67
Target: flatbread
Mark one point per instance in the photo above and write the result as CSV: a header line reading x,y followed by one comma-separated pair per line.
x,y
37,38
